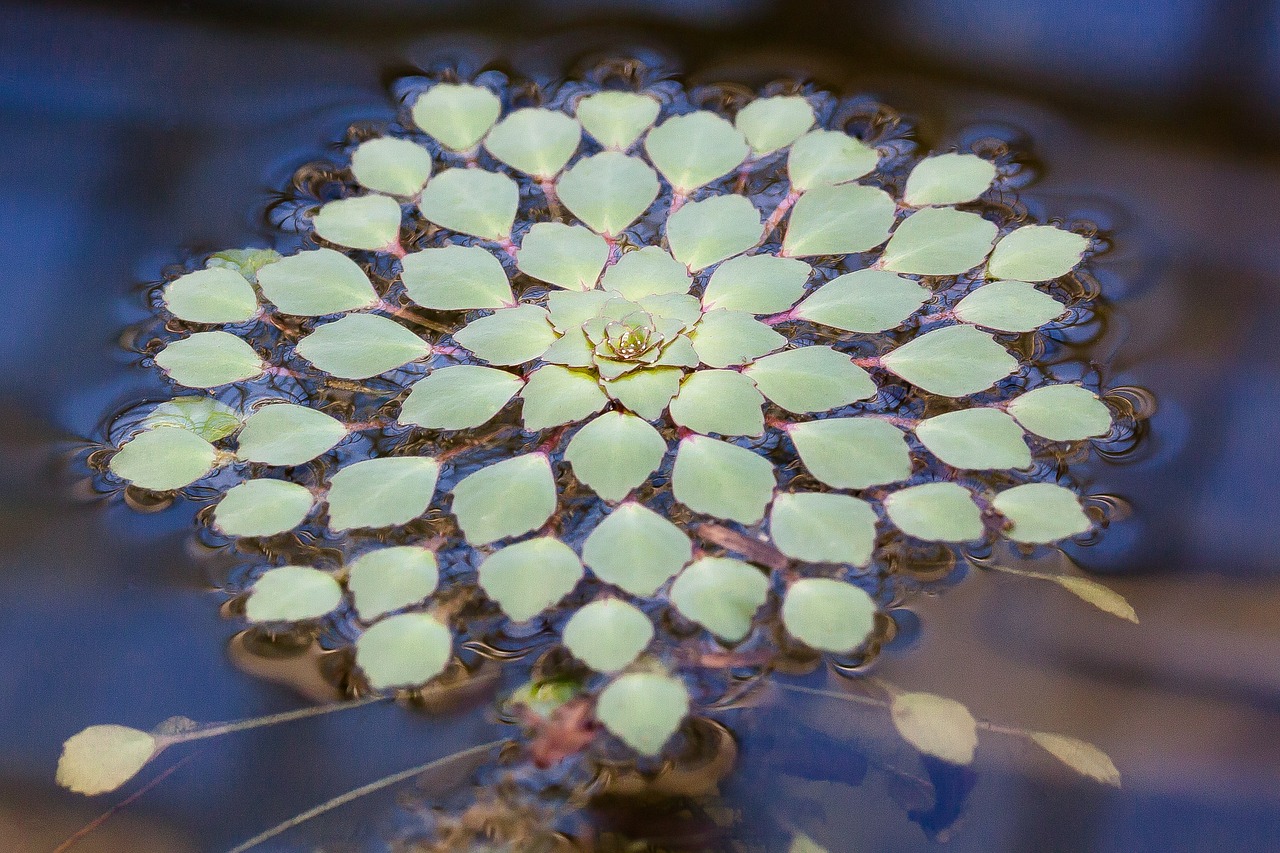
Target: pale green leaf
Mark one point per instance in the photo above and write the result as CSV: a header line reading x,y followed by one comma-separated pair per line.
x,y
1105,599
360,222
509,335
383,492
643,709
456,114
936,726
827,157
528,577
567,256
694,149
555,395
615,454
936,512
405,650
948,179
472,201
811,379
507,498
773,123
721,594
359,346
288,434
818,527
262,508
1041,512
164,458
1036,253
616,119
704,232
246,262
1081,756
315,283
801,843
456,278
214,295
209,359
636,549
535,141
607,635
646,392
863,301
838,220
100,759
1009,306
828,615
570,309
720,401
292,594
608,191
390,165
388,579
204,416
726,338
953,361
722,479
675,306
853,453
645,272
757,284
572,349
975,439
939,241
1062,413
458,397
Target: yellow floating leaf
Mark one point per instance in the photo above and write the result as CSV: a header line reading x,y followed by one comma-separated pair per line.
x,y
1081,756
102,758
1107,600
936,726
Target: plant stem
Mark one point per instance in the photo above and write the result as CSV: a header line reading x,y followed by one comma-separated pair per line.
x,y
217,729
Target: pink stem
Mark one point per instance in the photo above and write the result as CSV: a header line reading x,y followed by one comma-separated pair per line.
x,y
507,246
775,218
869,361
678,198
553,201
394,249
780,318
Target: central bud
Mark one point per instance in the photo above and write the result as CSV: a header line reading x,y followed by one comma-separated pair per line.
x,y
630,338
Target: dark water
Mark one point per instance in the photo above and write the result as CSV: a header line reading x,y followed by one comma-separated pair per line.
x,y
137,138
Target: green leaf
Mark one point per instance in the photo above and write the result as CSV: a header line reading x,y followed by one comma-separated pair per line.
x,y
1009,306
209,359
1081,756
567,256
507,498
616,119
853,453
811,379
719,401
211,296
458,397
1062,413
818,527
472,201
359,346
704,232
936,726
615,454
1036,253
828,615
204,416
573,349
838,220
383,492
1041,512
388,579
568,310
721,594
509,335
827,157
405,650
645,272
288,434
607,635
292,594
953,361
360,222
975,439
456,114
164,458
390,165
456,278
246,262
936,512
726,338
939,241
773,123
100,759
1105,599
643,709
535,141
646,392
722,479
757,284
674,306
864,301
262,508
555,395
636,549
694,149
528,577
608,191
315,283
948,179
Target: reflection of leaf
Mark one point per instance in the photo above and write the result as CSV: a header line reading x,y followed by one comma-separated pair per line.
x,y
1081,756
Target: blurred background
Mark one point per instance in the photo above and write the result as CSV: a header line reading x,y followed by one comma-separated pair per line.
x,y
141,132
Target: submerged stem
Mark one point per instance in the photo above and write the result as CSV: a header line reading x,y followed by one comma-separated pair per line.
x,y
218,729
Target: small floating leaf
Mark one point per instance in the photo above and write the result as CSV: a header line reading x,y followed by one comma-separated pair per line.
x,y
388,579
939,241
205,416
288,434
315,283
535,141
246,262
359,346
722,479
636,549
704,232
102,758
528,577
936,726
472,201
1105,599
801,843
616,119
607,635
1041,512
390,165
262,508
1036,253
382,492
568,310
975,439
615,454
1009,306
863,301
292,594
936,512
828,615
405,650
853,453
456,278
608,191
757,284
953,361
721,594
645,272
720,401
1062,413
827,157
360,222
164,458
567,256
643,709
838,220
456,114
214,295
811,379
507,498
458,397
646,392
773,123
818,527
555,395
1081,756
695,149
948,179
509,335
726,338
209,359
